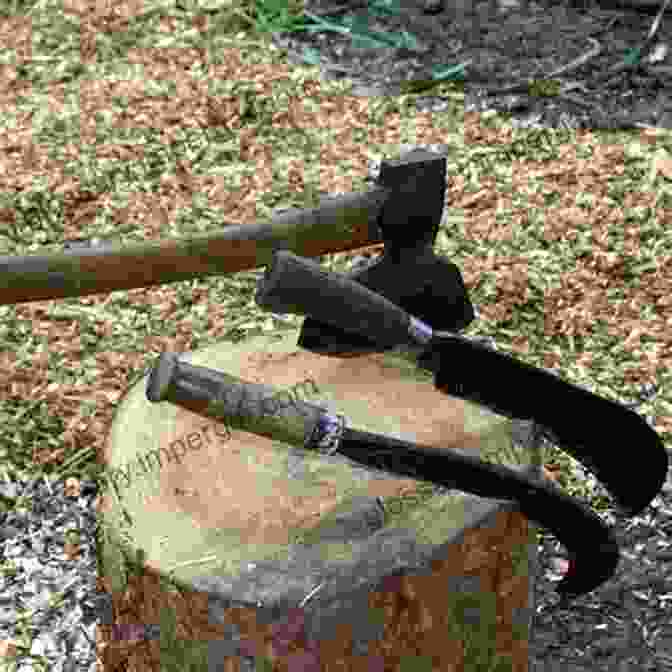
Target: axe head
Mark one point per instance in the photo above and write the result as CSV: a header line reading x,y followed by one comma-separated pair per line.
x,y
409,273
427,287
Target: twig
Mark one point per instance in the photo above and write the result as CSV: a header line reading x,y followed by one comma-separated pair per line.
x,y
524,86
615,70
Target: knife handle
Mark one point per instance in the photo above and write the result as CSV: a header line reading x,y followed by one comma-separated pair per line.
x,y
249,407
292,284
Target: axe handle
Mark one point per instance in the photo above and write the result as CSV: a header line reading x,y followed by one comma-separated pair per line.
x,y
338,224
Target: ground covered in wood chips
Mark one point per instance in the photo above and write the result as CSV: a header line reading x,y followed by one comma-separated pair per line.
x,y
139,121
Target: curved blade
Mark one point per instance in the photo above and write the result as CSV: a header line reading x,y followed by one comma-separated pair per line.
x,y
592,429
590,543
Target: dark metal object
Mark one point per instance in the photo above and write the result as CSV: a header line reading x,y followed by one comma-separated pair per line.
x,y
409,274
215,394
473,371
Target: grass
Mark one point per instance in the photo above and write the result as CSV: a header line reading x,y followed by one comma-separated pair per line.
x,y
168,120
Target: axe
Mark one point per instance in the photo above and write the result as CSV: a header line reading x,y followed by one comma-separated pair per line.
x,y
347,222
409,273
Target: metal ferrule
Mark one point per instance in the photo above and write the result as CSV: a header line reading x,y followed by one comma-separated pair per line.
x,y
420,332
327,434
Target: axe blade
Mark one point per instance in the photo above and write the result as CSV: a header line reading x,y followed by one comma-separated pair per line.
x,y
409,273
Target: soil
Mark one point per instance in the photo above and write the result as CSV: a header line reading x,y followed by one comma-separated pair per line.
x,y
504,46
